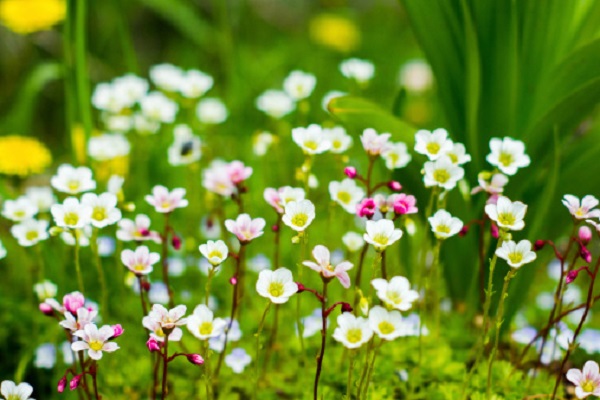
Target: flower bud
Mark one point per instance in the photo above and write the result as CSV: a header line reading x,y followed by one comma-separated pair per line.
x,y
56,230
585,254
195,359
145,286
350,172
129,207
152,345
571,276
275,228
539,244
394,186
301,287
463,231
144,232
62,384
176,242
233,280
585,234
117,331
46,309
73,302
366,208
346,307
494,231
75,382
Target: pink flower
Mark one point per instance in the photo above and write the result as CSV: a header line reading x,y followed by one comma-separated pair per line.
x,y
216,178
95,340
165,201
587,382
395,186
139,261
278,198
73,302
366,208
84,317
160,321
117,331
581,209
585,234
324,267
373,143
138,230
238,172
245,228
75,382
404,204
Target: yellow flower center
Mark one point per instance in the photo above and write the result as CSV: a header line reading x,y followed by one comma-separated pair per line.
x,y
139,267
433,147
71,218
299,219
453,157
393,157
96,345
442,229
505,159
441,175
73,185
165,204
336,144
515,258
276,289
381,239
19,214
579,212
215,253
311,145
344,197
31,235
206,328
386,328
99,214
394,297
159,332
354,335
506,219
588,386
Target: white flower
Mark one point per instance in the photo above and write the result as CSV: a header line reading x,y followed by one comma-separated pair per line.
x,y
186,148
203,325
140,261
443,173
45,356
396,293
386,324
138,230
73,180
353,241
108,146
115,184
95,340
324,266
10,391
131,88
311,139
494,186
118,123
275,103
373,143
444,225
107,98
237,360
458,154
352,331
2,251
586,381
104,208
245,228
233,335
45,290
433,144
360,70
346,193
508,155
30,232
330,96
166,76
83,237
277,285
144,125
160,319
215,252
381,234
262,141
299,85
211,111
165,201
41,196
84,317
583,209
278,198
507,214
516,254
19,210
416,76
194,84
298,215
71,214
157,107
339,139
396,156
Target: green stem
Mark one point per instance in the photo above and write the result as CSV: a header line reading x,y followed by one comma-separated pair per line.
x,y
100,271
256,360
371,367
76,234
81,69
350,371
363,376
323,340
211,273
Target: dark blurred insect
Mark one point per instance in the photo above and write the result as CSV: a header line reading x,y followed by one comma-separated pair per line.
x,y
186,149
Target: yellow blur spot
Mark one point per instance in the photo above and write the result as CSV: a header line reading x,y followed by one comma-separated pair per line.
x,y
28,16
23,156
334,31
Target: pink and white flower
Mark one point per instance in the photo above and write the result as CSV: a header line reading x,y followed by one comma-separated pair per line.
x,y
138,230
278,198
373,143
586,381
216,179
95,340
84,316
245,228
404,204
140,261
165,201
238,172
324,267
582,209
160,320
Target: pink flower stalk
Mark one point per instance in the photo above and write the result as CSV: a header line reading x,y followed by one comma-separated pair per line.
x,y
195,359
324,267
373,143
404,204
585,234
238,172
350,172
245,228
140,261
62,384
73,302
152,345
165,201
366,208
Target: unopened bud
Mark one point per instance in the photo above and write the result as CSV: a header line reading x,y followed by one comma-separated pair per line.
x,y
350,172
301,287
129,207
233,280
346,307
56,230
46,309
395,186
146,286
275,228
176,242
117,330
571,276
539,244
585,254
75,382
494,231
152,345
195,359
463,231
585,234
62,384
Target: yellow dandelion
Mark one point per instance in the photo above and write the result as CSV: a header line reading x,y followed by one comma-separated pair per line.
x,y
335,31
23,156
28,16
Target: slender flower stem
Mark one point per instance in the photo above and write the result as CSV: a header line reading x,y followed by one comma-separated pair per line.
x,y
165,260
40,269
369,174
142,298
95,382
257,359
76,235
499,316
431,270
489,294
83,378
155,375
99,270
383,266
211,273
361,261
165,366
272,341
350,371
303,250
365,369
371,368
323,339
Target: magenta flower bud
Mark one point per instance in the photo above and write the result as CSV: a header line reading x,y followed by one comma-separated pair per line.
x,y
366,208
195,359
405,204
395,186
75,382
176,242
233,280
275,228
46,309
346,307
301,287
585,254
350,172
585,234
146,286
463,231
144,232
539,244
73,302
494,230
62,384
152,345
571,276
118,331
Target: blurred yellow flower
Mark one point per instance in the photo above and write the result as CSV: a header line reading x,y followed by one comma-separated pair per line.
x,y
23,156
335,31
27,16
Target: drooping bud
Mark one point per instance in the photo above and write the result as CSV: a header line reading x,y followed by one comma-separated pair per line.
x,y
539,244
75,382
275,228
117,331
195,359
394,186
571,276
152,345
463,231
350,172
301,287
46,309
346,307
494,230
145,285
233,280
585,234
585,254
62,384
176,242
